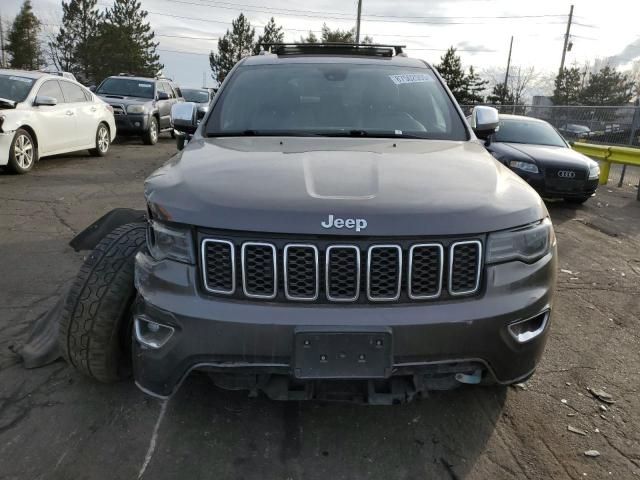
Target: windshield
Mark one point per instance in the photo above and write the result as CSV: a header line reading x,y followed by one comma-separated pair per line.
x,y
126,87
531,132
15,88
193,95
335,100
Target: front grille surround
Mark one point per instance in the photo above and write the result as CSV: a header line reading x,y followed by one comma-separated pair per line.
x,y
287,288
398,282
245,264
478,267
205,270
425,276
410,271
328,276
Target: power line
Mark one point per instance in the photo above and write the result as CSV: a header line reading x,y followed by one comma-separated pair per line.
x,y
323,15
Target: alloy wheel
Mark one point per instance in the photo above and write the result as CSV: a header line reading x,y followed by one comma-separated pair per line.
x,y
23,151
103,139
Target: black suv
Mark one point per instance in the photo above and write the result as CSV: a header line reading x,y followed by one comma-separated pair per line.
x,y
142,106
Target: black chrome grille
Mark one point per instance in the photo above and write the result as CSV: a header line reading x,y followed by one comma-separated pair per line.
x,y
425,267
343,273
301,272
219,266
259,272
566,174
318,270
465,267
384,272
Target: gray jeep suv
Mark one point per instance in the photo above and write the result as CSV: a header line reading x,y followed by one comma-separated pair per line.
x,y
141,106
335,229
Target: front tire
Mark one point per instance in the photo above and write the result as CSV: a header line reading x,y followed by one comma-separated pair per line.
x,y
95,327
103,141
150,137
23,152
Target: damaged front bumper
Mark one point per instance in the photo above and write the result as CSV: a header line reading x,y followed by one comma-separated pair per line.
x,y
252,345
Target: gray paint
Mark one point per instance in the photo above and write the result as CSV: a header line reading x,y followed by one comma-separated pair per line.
x,y
290,185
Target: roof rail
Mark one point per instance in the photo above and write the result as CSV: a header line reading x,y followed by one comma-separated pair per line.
x,y
330,48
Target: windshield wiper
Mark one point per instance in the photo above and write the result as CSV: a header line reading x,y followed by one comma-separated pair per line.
x,y
261,133
367,133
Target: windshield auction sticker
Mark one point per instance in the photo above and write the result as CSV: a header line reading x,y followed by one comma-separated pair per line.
x,y
411,78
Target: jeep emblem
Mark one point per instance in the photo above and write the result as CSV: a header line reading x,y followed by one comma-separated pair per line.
x,y
350,223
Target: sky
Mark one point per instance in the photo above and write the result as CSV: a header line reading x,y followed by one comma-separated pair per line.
x,y
481,29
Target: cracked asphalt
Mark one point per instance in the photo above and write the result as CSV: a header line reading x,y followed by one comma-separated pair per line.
x,y
56,424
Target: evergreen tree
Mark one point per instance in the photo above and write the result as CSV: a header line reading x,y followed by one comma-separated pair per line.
x,y
233,47
128,42
450,69
334,36
475,86
74,48
501,95
568,85
272,33
23,45
607,87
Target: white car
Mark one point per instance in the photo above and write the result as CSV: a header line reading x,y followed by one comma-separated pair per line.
x,y
42,114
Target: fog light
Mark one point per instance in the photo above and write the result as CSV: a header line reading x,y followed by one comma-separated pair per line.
x,y
526,330
137,124
150,333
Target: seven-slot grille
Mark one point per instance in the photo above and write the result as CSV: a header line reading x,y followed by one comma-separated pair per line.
x,y
326,272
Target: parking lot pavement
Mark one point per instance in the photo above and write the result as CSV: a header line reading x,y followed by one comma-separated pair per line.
x,y
56,424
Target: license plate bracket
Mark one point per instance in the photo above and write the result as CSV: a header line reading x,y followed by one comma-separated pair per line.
x,y
332,353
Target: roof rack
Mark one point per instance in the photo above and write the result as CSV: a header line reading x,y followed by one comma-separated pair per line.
x,y
367,49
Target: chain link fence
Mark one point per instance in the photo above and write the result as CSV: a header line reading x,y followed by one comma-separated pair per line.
x,y
604,125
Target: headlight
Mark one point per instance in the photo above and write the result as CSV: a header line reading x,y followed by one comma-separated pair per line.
x,y
170,242
528,244
594,171
526,166
135,109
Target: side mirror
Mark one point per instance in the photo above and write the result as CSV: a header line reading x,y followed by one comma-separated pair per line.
x,y
92,88
184,117
484,121
44,101
163,96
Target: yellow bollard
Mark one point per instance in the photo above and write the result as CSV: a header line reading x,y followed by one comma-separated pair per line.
x,y
604,172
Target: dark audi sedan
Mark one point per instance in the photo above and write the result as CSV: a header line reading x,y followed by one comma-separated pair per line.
x,y
537,152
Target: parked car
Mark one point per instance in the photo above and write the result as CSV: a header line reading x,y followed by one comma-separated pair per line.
x,y
142,106
201,97
534,150
572,130
59,73
332,218
43,115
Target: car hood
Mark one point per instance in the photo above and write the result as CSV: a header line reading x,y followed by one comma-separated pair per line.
x,y
291,185
123,100
559,156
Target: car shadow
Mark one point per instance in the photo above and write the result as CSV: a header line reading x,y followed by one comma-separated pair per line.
x,y
232,436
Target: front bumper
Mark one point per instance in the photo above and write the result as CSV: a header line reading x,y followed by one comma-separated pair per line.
x,y
132,124
547,188
257,337
5,146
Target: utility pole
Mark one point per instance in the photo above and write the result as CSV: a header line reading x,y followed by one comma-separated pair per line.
x,y
358,22
566,40
2,63
506,75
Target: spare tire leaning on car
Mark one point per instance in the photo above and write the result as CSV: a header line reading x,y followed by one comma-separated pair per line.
x,y
95,328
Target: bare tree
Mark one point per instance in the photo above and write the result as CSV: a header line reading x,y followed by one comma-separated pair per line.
x,y
520,82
